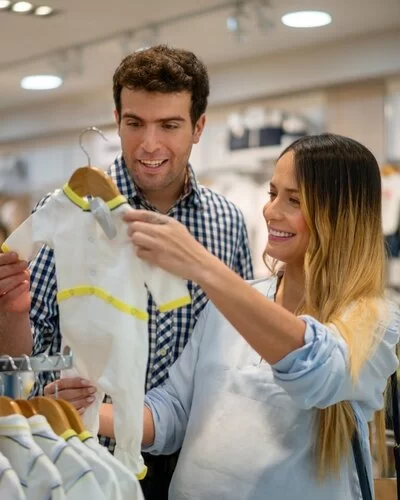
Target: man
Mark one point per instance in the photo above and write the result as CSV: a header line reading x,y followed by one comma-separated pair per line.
x,y
160,97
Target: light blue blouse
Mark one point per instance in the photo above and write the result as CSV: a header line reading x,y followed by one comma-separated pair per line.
x,y
247,428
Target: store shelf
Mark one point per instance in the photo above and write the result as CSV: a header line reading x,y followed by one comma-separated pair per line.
x,y
252,159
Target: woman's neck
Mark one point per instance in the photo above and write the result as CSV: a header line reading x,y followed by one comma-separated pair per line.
x,y
290,293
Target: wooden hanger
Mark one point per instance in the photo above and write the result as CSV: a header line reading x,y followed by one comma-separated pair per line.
x,y
73,416
26,408
8,407
54,414
93,181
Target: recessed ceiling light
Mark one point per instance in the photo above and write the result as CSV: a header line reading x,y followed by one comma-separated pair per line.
x,y
306,19
41,82
22,7
43,10
4,4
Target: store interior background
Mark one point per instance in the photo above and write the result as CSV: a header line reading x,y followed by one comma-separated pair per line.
x,y
342,78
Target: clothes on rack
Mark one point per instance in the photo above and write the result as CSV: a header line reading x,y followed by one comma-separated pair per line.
x,y
38,476
391,210
38,464
77,476
10,487
102,299
128,483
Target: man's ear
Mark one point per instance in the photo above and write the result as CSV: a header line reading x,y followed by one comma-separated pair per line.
x,y
198,128
117,120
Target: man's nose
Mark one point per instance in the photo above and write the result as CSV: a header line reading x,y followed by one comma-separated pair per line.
x,y
150,141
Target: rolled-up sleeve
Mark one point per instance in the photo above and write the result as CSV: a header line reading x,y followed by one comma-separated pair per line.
x,y
317,374
170,404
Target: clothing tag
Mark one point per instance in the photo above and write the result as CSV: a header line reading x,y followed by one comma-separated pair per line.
x,y
102,214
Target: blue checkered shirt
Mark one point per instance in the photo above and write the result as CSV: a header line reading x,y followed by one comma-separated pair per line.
x,y
214,221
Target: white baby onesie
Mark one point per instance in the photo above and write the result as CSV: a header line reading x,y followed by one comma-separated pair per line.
x,y
77,476
38,476
130,487
10,487
104,475
102,297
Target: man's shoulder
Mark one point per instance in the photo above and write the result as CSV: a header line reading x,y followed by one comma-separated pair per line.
x,y
219,202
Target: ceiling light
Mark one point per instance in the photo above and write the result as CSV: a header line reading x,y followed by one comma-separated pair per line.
x,y
236,23
4,4
41,82
22,7
43,10
306,19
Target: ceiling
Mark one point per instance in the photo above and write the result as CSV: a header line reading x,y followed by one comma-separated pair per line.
x,y
37,45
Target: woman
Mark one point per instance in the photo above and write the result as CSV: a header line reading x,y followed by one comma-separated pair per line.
x,y
278,374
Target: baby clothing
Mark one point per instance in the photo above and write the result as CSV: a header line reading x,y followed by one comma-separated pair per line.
x,y
102,297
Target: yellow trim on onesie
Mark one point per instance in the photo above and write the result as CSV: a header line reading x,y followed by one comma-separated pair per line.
x,y
141,475
174,304
68,434
83,436
4,248
84,204
79,291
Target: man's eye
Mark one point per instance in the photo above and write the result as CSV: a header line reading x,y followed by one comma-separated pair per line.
x,y
170,126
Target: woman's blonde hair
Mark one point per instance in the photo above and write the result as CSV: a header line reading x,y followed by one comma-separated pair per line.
x,y
340,196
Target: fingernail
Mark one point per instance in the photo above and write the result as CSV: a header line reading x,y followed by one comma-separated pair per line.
x,y
80,411
90,399
92,390
85,382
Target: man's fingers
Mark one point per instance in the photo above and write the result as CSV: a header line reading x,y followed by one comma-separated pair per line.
x,y
12,269
145,241
8,258
145,216
11,283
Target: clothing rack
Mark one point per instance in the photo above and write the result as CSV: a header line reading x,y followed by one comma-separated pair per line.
x,y
40,363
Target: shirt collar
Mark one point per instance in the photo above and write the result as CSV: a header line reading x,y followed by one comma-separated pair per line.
x,y
119,172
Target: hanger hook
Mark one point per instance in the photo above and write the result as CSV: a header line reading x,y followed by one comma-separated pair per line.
x,y
28,362
89,129
12,363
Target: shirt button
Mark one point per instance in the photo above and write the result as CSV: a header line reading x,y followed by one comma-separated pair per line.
x,y
91,239
92,272
162,352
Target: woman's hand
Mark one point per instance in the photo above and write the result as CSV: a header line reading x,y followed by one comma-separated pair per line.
x,y
166,243
77,391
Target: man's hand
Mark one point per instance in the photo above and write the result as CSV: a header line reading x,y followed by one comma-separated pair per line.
x,y
77,391
14,284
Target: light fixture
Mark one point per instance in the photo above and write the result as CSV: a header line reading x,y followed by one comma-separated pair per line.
x,y
43,10
306,19
5,4
236,23
21,7
41,82
264,15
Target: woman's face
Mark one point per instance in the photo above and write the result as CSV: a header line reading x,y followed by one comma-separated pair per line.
x,y
288,234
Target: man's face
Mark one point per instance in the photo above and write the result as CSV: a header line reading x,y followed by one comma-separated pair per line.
x,y
156,137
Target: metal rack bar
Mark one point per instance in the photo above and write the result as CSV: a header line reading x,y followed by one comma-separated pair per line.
x,y
40,363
